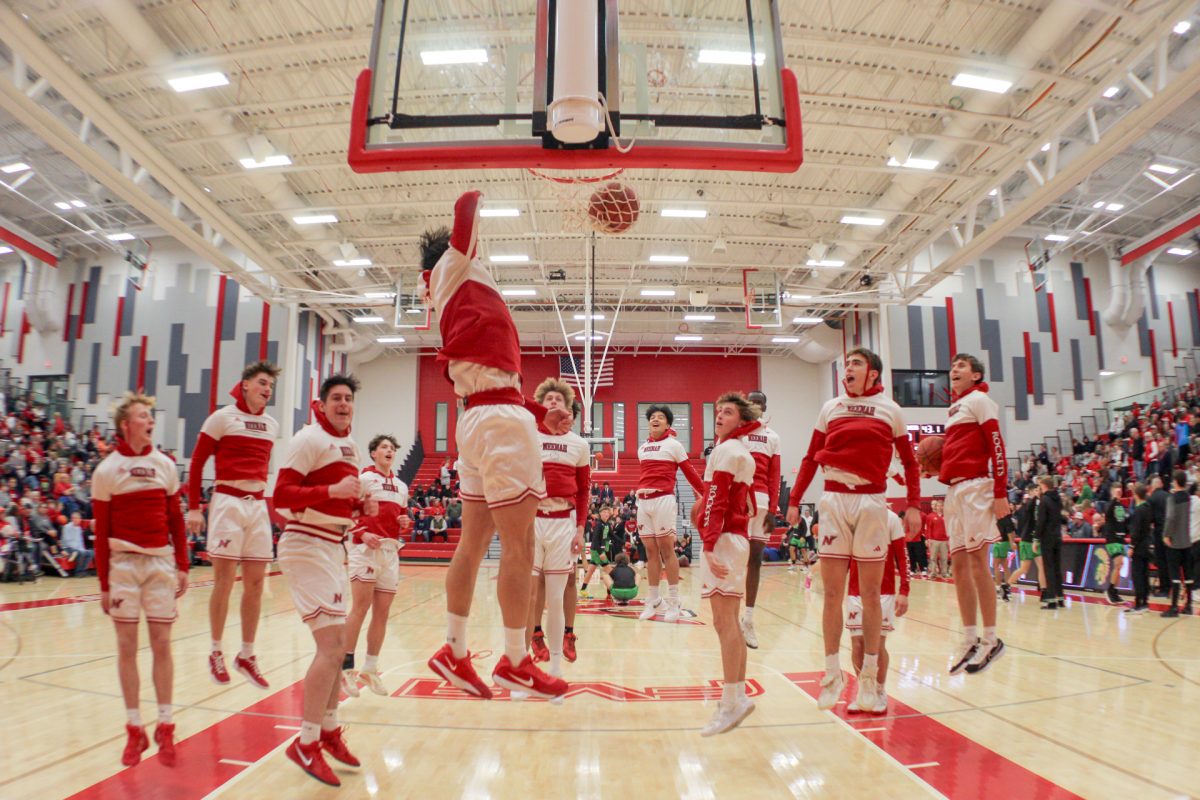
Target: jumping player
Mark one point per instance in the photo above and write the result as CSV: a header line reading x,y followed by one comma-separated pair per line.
x,y
854,441
240,436
558,528
975,501
142,563
499,464
374,564
726,507
763,444
319,492
894,606
660,456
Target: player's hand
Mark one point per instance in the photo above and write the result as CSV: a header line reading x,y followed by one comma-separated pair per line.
x,y
912,521
105,601
558,421
347,488
181,583
1001,508
577,542
371,540
716,566
370,507
195,521
793,515
901,605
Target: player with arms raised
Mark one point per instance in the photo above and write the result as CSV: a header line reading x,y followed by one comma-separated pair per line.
x,y
854,441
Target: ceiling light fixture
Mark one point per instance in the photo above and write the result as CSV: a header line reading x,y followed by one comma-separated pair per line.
x,y
368,319
1056,237
379,295
78,204
61,206
1114,206
437,58
785,339
686,213
595,337
668,259
1165,169
509,258
914,163
390,339
1106,373
519,292
1112,91
658,292
314,219
967,80
1182,27
120,237
853,219
499,212
277,160
699,317
206,80
1046,147
688,337
1180,251
352,262
807,320
585,316
15,167
4,250
730,57
825,262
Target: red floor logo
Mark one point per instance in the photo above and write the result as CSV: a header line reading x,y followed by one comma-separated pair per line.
x,y
610,609
437,689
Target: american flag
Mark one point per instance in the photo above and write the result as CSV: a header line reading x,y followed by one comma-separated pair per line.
x,y
571,369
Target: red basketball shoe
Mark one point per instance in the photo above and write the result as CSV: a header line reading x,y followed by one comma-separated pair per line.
x,y
309,757
216,669
249,669
569,647
333,743
135,745
540,651
164,737
527,678
459,671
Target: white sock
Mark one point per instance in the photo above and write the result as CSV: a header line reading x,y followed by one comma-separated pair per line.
x,y
216,645
247,650
739,689
330,722
833,664
514,645
989,634
748,614
970,634
728,692
371,663
134,717
309,732
164,714
870,663
556,660
673,594
652,595
456,634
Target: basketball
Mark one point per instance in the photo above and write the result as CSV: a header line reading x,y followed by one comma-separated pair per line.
x,y
929,454
695,516
614,208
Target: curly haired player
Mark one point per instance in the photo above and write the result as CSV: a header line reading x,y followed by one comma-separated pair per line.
x,y
499,462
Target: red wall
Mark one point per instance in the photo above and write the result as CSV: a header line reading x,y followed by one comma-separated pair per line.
x,y
639,379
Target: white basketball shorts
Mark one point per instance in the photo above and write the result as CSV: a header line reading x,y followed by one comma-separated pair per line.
x,y
734,551
499,457
853,525
380,566
656,516
852,613
138,582
970,515
552,539
758,524
239,528
316,574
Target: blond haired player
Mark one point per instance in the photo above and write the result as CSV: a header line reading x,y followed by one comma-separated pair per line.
x,y
499,458
375,563
240,436
142,563
319,492
558,528
726,508
854,441
763,444
659,457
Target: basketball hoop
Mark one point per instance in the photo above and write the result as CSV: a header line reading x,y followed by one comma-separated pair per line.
x,y
611,208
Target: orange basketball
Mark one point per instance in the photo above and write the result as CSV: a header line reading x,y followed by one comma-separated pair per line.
x,y
614,208
695,515
929,454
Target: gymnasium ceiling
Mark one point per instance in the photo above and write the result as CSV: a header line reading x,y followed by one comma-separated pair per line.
x,y
869,72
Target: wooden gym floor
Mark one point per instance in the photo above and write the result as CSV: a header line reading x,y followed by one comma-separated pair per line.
x,y
1086,702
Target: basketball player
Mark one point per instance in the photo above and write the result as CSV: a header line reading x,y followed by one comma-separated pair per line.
x,y
1116,528
319,492
240,436
142,564
975,501
660,456
375,564
894,606
854,441
558,528
605,535
725,510
499,464
763,444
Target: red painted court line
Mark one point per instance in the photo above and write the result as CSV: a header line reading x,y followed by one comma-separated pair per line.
x,y
25,605
951,763
246,736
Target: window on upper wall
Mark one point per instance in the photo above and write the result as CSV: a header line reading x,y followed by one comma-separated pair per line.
x,y
915,388
619,425
598,420
710,431
441,427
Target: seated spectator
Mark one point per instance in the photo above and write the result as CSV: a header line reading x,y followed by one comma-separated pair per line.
x,y
437,526
454,513
74,545
421,526
1078,528
622,580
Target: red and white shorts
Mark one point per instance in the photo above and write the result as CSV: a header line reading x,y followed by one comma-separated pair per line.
x,y
552,538
656,516
852,613
734,550
758,523
380,566
138,582
499,457
853,525
239,528
971,515
315,569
